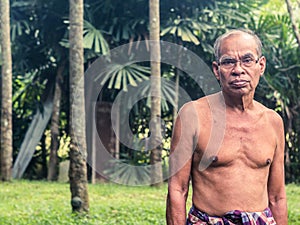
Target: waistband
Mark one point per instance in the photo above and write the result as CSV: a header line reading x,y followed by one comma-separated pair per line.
x,y
232,217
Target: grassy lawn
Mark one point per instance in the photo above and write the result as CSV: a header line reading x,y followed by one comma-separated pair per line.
x,y
24,202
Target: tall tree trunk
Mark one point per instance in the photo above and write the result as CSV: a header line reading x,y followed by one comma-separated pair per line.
x,y
293,21
53,160
0,125
43,174
175,109
155,157
78,151
177,79
6,94
289,131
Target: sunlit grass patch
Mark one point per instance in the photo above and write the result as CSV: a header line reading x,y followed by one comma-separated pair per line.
x,y
45,203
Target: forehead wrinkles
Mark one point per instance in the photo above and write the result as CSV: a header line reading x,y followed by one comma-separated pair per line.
x,y
242,56
238,45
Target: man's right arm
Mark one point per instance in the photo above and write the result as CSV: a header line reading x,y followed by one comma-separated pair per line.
x,y
177,196
180,162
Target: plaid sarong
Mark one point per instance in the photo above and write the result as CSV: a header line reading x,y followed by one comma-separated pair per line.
x,y
235,217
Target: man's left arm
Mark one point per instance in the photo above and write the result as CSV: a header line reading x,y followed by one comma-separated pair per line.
x,y
276,181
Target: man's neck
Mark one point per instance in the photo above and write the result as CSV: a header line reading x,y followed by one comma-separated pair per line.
x,y
240,103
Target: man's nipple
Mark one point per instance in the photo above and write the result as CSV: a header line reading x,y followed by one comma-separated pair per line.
x,y
214,158
268,162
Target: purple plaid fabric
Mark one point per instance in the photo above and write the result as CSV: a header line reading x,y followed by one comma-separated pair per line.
x,y
235,217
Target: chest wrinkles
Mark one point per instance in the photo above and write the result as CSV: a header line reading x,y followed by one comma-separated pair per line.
x,y
250,141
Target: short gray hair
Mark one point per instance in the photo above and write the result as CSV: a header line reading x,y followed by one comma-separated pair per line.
x,y
219,40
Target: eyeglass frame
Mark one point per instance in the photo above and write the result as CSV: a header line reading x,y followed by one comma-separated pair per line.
x,y
240,60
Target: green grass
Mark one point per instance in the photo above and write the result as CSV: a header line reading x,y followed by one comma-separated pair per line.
x,y
293,196
24,202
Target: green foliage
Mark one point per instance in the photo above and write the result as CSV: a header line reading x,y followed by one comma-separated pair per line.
x,y
39,30
93,41
120,20
184,29
42,203
27,97
19,18
93,38
131,170
198,22
120,75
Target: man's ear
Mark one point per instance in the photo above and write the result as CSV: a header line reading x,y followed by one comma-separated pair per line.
x,y
262,63
216,71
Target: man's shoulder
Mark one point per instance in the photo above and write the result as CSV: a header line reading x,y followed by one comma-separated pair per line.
x,y
271,114
197,106
208,101
202,106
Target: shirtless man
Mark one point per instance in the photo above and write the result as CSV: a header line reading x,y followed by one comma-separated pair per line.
x,y
230,146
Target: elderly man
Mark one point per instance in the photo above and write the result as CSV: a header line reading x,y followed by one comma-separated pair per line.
x,y
229,146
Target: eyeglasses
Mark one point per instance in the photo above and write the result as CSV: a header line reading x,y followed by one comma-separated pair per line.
x,y
228,63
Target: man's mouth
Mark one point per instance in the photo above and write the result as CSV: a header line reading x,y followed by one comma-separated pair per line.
x,y
239,83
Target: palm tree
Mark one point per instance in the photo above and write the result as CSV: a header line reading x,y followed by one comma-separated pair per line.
x,y
6,95
78,169
53,159
155,157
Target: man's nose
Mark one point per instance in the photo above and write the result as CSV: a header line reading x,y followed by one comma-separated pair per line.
x,y
237,69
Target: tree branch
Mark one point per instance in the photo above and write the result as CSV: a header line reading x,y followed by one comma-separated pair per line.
x,y
293,21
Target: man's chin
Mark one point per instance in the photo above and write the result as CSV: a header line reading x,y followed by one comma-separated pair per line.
x,y
239,91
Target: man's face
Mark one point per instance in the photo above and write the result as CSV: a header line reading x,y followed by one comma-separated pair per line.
x,y
239,67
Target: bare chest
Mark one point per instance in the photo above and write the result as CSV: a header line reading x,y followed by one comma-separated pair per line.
x,y
247,142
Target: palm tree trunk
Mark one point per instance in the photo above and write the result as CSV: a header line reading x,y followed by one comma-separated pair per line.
x,y
289,131
293,21
155,157
6,94
78,151
53,160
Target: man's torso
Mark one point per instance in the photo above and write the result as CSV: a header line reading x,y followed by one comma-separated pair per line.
x,y
238,153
